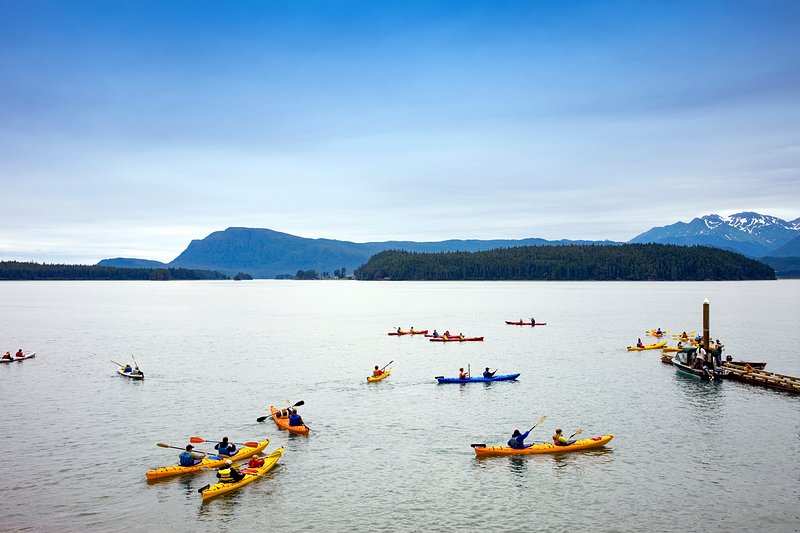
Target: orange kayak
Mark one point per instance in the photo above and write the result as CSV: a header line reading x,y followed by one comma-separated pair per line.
x,y
283,423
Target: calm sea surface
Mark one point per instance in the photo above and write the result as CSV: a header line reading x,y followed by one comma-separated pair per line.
x,y
395,456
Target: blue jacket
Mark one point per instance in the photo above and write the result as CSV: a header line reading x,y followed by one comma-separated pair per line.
x,y
518,443
187,459
228,450
295,420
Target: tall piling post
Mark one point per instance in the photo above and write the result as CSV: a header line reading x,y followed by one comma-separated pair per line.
x,y
706,335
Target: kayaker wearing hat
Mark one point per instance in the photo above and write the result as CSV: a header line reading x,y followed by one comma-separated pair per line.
x,y
255,462
560,440
190,458
228,473
225,447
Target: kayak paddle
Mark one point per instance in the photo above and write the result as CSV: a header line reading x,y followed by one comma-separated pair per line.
x,y
119,365
541,419
250,444
208,454
387,364
298,404
577,432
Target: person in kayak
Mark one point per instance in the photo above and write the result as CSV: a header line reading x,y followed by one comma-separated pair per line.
x,y
255,462
533,321
228,473
461,336
7,355
462,374
225,447
128,368
190,458
435,334
295,419
659,332
19,353
488,374
377,372
639,343
517,440
560,440
399,329
412,329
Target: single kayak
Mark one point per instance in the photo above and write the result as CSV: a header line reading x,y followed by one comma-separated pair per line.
x,y
583,444
209,461
420,332
283,422
251,474
512,323
647,347
373,379
455,339
132,374
476,379
15,358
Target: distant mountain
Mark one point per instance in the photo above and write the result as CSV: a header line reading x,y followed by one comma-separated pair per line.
x,y
748,233
265,253
790,249
126,262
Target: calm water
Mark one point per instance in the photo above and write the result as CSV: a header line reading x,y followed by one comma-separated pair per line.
x,y
395,456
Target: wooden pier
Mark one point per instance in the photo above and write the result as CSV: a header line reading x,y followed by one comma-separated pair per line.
x,y
761,378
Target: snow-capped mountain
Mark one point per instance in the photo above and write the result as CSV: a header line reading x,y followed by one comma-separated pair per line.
x,y
748,233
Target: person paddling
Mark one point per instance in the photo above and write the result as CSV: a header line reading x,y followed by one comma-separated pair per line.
x,y
228,473
517,440
488,374
7,355
377,372
255,462
462,374
295,419
190,458
435,334
19,353
560,440
225,447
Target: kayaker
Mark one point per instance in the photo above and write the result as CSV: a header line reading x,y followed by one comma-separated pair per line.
x,y
658,332
488,374
295,419
377,372
225,447
19,353
399,329
461,336
533,321
255,462
435,334
560,440
190,458
462,374
517,440
639,343
228,473
412,329
128,368
7,355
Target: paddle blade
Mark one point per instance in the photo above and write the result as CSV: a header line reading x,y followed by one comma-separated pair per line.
x,y
196,439
478,445
438,377
262,418
162,445
251,444
298,404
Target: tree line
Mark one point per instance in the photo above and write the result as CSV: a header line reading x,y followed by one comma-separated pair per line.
x,y
627,262
17,270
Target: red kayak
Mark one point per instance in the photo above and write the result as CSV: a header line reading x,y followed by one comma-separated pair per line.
x,y
420,332
525,323
455,339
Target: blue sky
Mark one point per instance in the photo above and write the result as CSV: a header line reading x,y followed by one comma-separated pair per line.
x,y
128,128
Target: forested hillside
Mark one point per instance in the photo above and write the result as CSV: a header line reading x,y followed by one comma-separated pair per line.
x,y
15,270
628,262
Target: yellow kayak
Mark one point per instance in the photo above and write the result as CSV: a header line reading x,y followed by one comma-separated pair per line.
x,y
583,444
373,379
251,474
647,347
176,470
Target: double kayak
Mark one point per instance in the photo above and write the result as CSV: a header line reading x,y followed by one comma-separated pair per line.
x,y
647,347
420,332
373,379
583,444
209,461
283,422
15,358
455,339
251,474
476,379
512,323
132,374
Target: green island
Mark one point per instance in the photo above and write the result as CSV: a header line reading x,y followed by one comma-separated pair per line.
x,y
29,271
627,262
